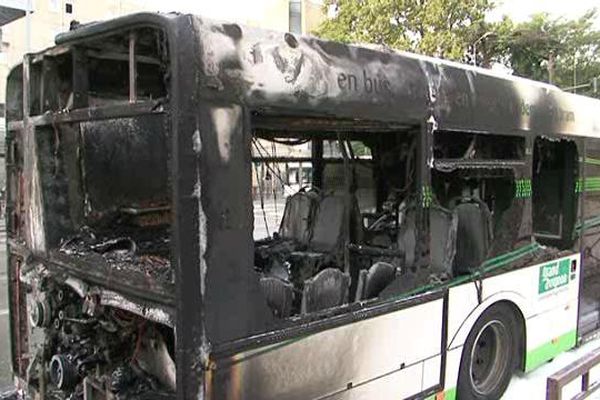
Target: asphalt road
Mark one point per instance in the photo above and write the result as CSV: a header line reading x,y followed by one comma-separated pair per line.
x,y
273,211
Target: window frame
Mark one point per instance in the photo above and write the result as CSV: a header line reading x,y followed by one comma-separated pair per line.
x,y
565,237
352,311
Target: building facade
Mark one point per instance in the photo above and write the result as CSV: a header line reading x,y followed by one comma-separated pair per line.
x,y
51,17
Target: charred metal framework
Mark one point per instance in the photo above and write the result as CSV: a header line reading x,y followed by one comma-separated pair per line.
x,y
130,168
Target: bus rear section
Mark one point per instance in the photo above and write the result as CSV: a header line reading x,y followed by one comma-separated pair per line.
x,y
91,284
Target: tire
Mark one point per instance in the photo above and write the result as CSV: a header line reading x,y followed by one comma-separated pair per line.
x,y
490,355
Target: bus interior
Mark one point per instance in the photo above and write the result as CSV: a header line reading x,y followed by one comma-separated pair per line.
x,y
326,230
359,231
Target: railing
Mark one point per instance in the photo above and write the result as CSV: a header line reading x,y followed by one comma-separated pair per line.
x,y
580,368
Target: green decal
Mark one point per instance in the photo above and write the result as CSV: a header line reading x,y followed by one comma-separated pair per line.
x,y
522,188
427,196
548,351
554,275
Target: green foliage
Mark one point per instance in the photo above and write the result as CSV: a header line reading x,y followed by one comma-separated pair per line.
x,y
439,28
563,52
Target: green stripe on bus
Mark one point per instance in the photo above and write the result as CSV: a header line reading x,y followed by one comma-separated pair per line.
x,y
449,394
548,351
588,223
590,184
509,257
593,161
487,266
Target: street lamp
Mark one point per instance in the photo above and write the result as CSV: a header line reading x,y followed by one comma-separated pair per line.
x,y
474,54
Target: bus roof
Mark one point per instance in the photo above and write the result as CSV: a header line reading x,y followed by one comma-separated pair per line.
x,y
286,74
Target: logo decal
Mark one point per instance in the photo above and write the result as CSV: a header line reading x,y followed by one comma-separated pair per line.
x,y
554,275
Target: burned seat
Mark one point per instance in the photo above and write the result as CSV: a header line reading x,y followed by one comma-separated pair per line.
x,y
297,217
326,245
407,238
279,295
329,288
443,238
372,281
294,233
443,225
328,229
473,235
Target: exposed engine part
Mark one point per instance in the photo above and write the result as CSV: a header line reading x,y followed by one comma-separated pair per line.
x,y
63,373
40,314
153,357
93,351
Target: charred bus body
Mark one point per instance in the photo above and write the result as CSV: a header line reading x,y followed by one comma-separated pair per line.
x,y
433,221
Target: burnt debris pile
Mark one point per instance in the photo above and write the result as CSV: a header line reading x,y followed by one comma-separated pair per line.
x,y
128,251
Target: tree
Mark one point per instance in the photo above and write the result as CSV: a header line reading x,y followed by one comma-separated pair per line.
x,y
555,50
441,28
563,52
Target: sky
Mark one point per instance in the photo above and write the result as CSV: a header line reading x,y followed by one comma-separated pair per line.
x,y
232,10
237,10
520,10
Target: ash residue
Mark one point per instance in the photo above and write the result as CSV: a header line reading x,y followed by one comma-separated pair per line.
x,y
144,251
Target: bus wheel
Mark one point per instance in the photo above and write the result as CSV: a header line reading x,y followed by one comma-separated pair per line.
x,y
489,356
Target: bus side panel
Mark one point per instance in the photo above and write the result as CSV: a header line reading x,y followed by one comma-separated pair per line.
x,y
551,333
384,355
398,385
546,295
551,290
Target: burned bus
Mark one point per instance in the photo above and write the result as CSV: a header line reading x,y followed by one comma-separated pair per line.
x,y
447,236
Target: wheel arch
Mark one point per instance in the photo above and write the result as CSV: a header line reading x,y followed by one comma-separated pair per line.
x,y
522,334
518,306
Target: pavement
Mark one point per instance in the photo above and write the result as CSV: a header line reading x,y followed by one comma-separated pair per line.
x,y
5,367
273,211
532,386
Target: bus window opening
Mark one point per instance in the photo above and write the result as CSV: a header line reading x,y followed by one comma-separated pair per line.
x,y
331,215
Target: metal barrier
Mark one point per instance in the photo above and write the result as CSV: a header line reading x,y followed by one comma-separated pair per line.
x,y
580,368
